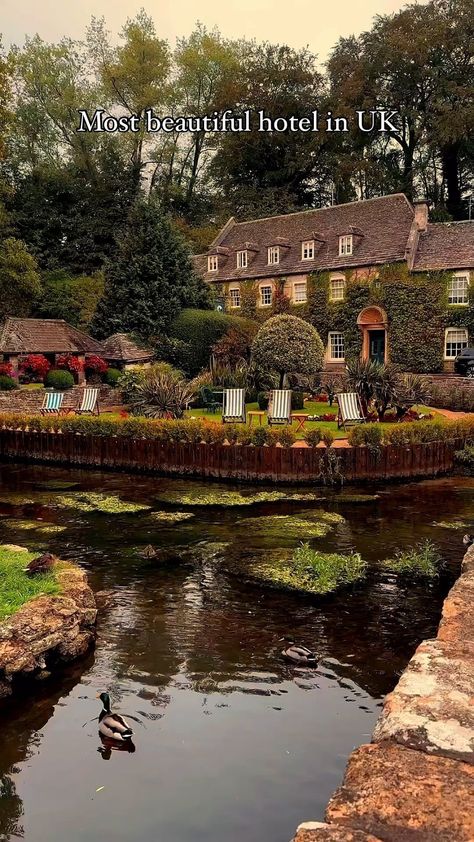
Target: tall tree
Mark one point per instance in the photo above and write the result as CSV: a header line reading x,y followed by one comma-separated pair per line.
x,y
19,279
151,279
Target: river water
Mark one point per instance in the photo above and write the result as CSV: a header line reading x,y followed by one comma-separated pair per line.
x,y
230,742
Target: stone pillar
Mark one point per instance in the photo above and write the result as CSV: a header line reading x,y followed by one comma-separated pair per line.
x,y
81,377
13,360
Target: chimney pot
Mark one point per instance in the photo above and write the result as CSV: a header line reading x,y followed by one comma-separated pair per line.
x,y
421,214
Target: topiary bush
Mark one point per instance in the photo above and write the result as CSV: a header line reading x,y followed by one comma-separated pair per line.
x,y
288,345
200,330
112,376
58,379
7,383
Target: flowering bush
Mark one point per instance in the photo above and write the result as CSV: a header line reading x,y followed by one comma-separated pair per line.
x,y
34,367
328,416
6,370
69,362
95,364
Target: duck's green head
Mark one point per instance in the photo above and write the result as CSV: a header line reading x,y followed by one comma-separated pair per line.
x,y
105,699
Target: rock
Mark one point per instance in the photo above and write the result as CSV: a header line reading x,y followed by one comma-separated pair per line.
x,y
431,708
48,628
468,561
398,794
457,623
321,832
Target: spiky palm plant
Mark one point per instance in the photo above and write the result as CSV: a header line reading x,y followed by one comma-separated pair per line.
x,y
162,395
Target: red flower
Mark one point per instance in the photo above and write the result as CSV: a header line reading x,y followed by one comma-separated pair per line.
x,y
95,364
34,365
70,363
6,370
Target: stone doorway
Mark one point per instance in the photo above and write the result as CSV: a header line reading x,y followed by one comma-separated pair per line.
x,y
373,322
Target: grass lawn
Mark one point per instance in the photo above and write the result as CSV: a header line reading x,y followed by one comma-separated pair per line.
x,y
311,407
16,587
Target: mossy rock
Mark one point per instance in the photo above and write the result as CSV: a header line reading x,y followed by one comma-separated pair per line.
x,y
171,517
327,573
90,501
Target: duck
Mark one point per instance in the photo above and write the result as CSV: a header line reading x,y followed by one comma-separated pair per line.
x,y
468,540
148,552
298,654
112,726
41,564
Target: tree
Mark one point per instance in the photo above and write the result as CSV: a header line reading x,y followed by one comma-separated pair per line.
x,y
73,299
288,345
19,280
151,279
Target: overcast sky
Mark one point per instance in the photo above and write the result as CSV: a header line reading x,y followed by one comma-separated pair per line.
x,y
316,23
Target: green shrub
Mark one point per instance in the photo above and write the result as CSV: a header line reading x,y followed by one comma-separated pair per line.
x,y
297,401
327,571
198,331
369,435
7,383
161,395
422,561
313,436
259,436
465,458
328,438
262,401
59,379
112,376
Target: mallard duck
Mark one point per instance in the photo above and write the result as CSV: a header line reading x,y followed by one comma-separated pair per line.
x,y
148,552
112,726
297,654
468,540
40,565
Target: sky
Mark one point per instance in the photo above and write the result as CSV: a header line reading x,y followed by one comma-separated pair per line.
x,y
299,23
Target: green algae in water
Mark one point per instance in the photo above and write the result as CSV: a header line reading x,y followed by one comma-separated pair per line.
x,y
171,517
56,485
314,524
310,571
16,498
218,497
451,524
89,501
33,525
356,498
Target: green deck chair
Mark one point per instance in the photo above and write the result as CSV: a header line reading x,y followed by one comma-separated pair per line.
x,y
89,403
52,403
350,409
279,407
233,406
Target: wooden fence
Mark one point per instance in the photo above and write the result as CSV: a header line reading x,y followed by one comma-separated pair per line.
x,y
238,462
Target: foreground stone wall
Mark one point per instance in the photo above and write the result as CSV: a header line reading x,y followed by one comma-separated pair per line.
x,y
415,781
47,630
29,401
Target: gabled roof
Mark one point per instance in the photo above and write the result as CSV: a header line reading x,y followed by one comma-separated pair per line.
x,y
380,226
446,245
123,348
45,336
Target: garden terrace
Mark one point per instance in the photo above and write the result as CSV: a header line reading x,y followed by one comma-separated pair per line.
x,y
199,448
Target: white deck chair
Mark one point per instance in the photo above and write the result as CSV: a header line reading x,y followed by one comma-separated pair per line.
x,y
52,403
89,403
279,407
350,409
233,409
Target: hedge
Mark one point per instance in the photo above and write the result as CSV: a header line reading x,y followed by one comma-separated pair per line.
x,y
197,331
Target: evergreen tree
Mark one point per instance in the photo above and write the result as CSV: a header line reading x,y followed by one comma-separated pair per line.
x,y
19,280
151,280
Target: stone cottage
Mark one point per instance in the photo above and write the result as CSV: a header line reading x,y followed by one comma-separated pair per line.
x,y
375,277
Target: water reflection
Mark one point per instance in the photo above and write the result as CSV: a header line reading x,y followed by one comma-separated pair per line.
x,y
230,740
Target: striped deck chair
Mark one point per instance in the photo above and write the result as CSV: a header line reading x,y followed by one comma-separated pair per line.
x,y
350,409
234,406
52,403
279,407
89,403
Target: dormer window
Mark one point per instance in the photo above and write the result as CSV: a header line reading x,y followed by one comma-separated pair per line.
x,y
307,250
242,259
345,245
212,263
273,255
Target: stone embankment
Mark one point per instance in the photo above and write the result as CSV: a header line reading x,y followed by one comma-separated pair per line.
x,y
415,781
48,630
30,401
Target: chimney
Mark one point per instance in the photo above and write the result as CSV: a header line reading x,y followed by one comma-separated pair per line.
x,y
421,214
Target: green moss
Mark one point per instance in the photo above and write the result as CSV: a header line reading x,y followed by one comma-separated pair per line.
x,y
451,524
33,525
16,587
217,496
89,501
15,498
171,517
285,527
310,571
357,498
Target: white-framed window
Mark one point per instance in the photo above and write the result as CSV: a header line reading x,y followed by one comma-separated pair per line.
x,y
337,287
307,250
458,288
455,339
273,255
242,259
300,292
266,296
336,346
212,263
345,245
234,297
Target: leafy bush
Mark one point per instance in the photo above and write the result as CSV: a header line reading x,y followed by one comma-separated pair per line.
x,y
369,435
6,369
259,436
263,400
235,344
199,331
327,571
94,366
7,383
313,436
128,383
456,398
161,395
328,438
34,367
465,458
297,401
286,436
422,561
70,363
286,344
59,379
112,376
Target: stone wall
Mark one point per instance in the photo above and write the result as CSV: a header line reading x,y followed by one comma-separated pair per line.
x,y
29,401
47,630
415,781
